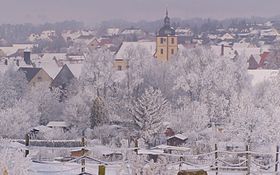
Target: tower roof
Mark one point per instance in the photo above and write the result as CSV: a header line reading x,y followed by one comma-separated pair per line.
x,y
166,29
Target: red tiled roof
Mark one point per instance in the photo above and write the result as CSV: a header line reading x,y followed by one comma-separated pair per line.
x,y
264,57
102,42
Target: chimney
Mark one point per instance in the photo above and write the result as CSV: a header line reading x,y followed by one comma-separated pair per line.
x,y
27,56
222,50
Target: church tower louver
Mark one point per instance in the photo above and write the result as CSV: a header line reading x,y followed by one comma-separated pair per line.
x,y
166,41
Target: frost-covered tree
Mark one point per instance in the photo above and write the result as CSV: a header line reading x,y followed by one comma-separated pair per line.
x,y
46,102
138,62
138,164
97,72
13,85
14,122
251,124
12,160
129,83
77,111
266,98
210,80
148,114
191,118
160,75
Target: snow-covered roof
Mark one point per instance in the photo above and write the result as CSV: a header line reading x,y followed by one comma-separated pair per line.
x,y
104,150
260,75
174,148
12,61
179,136
76,69
227,36
269,32
241,44
228,51
122,52
150,152
247,52
113,31
42,128
212,36
48,62
150,46
70,34
183,31
132,31
60,124
52,56
15,47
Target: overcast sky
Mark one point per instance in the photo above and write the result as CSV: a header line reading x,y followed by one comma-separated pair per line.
x,y
94,11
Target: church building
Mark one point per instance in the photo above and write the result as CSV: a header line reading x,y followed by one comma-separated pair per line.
x,y
163,49
166,41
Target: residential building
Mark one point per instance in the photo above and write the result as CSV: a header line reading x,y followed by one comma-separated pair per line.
x,y
35,75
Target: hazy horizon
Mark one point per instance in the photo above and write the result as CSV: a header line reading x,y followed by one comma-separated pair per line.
x,y
95,11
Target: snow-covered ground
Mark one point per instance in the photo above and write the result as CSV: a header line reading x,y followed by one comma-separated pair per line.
x,y
75,168
71,169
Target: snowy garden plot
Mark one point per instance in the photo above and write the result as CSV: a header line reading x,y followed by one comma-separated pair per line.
x,y
226,162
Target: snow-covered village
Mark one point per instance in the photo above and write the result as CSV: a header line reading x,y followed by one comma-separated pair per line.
x,y
130,87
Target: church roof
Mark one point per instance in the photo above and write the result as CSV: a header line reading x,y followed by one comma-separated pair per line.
x,y
166,29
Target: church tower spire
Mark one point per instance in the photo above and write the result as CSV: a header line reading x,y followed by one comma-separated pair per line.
x,y
166,19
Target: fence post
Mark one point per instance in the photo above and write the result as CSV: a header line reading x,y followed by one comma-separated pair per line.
x,y
216,159
83,161
277,158
27,140
101,169
136,146
181,162
248,159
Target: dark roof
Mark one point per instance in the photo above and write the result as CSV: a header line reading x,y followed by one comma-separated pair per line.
x,y
252,63
63,78
166,29
29,72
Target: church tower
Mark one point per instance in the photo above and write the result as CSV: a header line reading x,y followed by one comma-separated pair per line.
x,y
166,41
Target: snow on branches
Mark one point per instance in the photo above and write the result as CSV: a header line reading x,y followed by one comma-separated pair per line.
x,y
148,114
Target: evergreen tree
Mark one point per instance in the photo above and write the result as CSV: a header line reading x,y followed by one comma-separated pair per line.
x,y
98,113
148,113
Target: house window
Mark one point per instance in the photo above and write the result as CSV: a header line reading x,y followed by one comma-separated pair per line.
x,y
172,40
161,51
119,67
39,78
161,40
172,51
